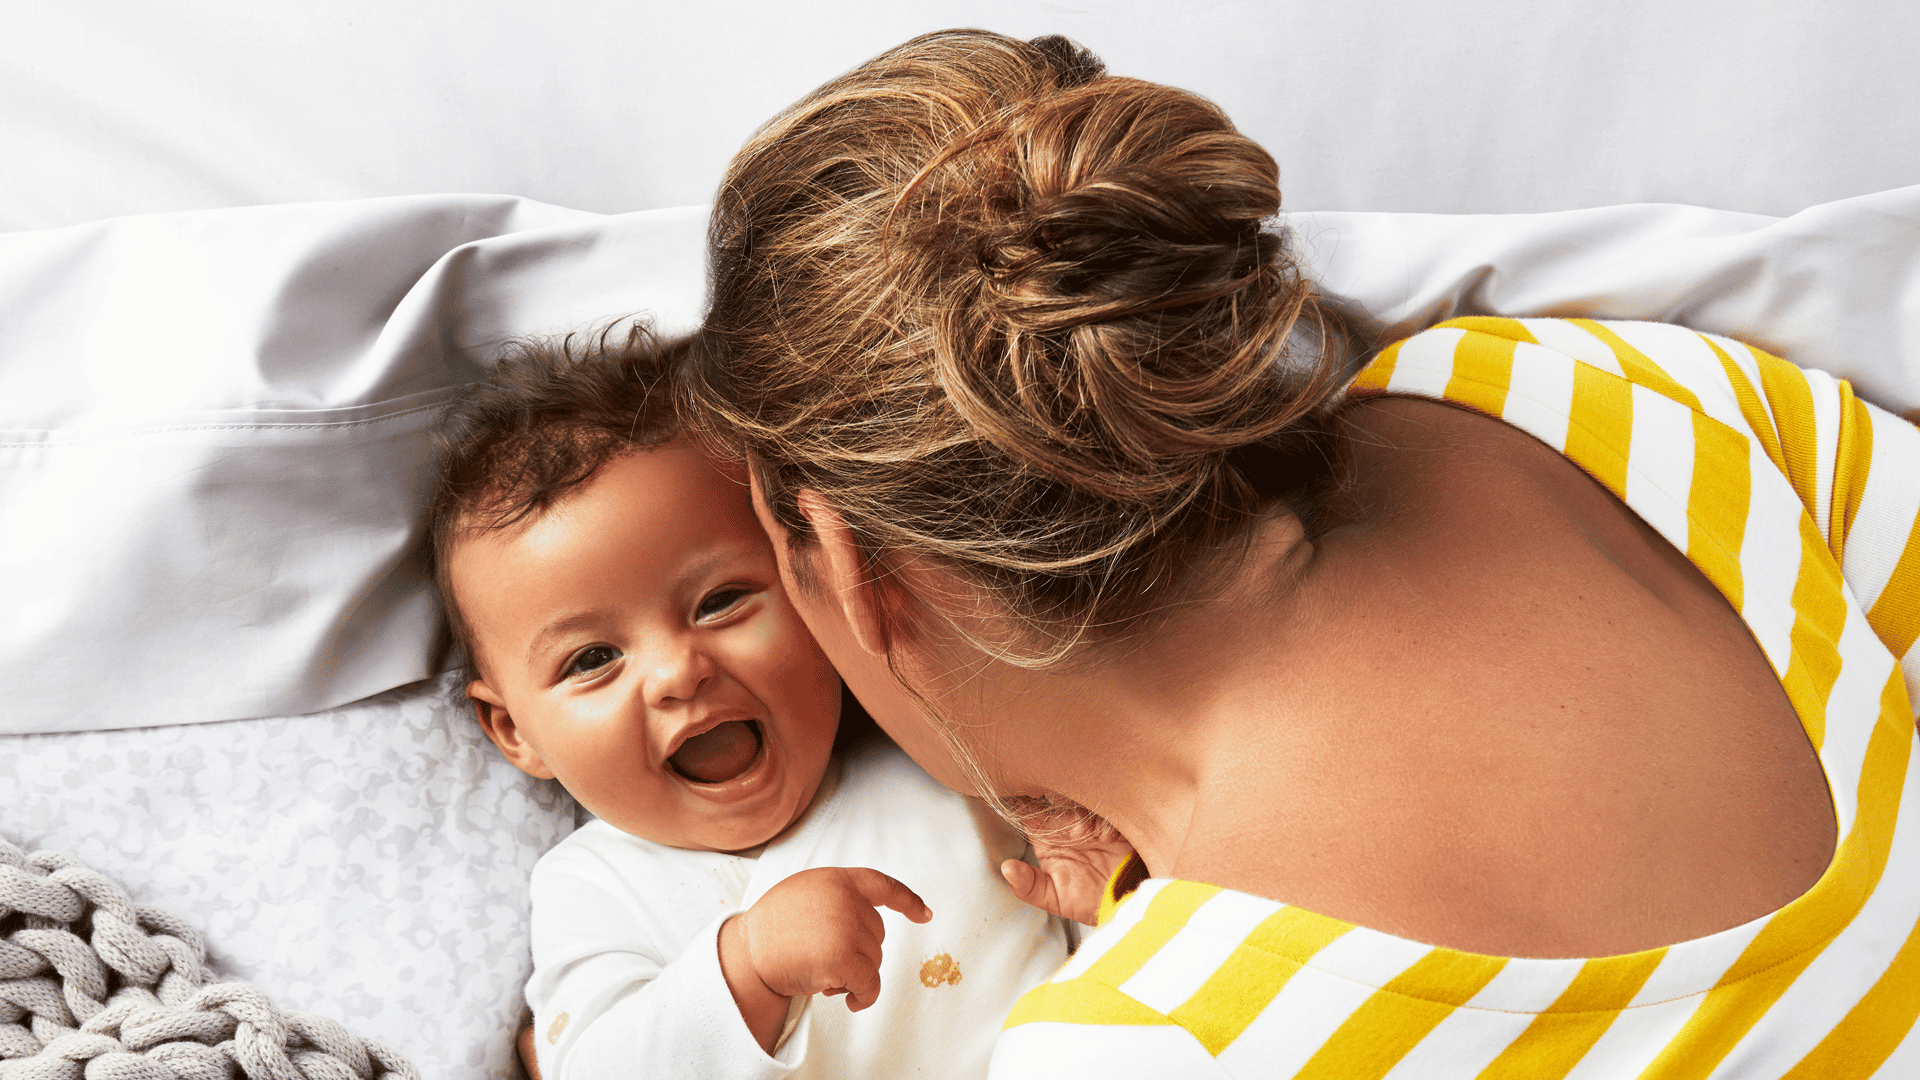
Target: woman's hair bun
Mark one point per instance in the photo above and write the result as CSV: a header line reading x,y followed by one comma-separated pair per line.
x,y
1128,303
1017,316
1072,64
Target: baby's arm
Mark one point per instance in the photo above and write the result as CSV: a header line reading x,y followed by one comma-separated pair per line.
x,y
1077,852
815,932
627,982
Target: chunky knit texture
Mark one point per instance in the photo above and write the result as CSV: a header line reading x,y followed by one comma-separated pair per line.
x,y
92,985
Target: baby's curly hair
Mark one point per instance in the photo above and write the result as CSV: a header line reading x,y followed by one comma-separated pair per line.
x,y
550,414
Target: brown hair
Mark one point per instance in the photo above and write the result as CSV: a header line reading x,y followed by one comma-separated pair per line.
x,y
548,416
1023,318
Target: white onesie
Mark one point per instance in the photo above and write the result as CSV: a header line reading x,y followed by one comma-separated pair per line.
x,y
627,980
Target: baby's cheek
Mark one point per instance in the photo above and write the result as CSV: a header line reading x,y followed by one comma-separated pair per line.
x,y
607,764
798,672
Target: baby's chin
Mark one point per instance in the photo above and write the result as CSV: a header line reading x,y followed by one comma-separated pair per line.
x,y
729,836
735,841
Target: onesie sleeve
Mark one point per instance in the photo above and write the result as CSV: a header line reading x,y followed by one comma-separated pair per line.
x,y
610,1003
1853,467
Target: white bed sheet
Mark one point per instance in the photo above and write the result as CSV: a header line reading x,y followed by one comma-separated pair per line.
x,y
112,107
367,863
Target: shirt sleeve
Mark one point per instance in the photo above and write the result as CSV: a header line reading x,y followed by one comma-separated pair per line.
x,y
1856,469
609,1005
1880,483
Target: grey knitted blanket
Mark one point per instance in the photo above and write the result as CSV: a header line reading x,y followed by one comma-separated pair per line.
x,y
92,985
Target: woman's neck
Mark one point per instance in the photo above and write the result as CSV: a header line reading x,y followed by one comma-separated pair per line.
x,y
1158,723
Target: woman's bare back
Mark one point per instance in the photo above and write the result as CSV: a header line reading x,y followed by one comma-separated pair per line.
x,y
1513,719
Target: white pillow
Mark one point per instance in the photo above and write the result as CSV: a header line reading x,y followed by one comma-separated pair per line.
x,y
213,448
1835,287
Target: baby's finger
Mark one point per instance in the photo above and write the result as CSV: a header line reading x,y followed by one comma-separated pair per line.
x,y
880,890
863,986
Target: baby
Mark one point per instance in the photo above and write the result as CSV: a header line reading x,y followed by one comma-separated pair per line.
x,y
628,634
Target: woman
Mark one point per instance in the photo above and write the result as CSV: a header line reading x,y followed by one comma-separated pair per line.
x,y
1406,712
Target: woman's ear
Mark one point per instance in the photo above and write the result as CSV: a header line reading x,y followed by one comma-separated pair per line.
x,y
491,710
835,574
840,572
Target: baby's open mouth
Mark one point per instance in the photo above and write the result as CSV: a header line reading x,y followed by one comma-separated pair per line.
x,y
719,753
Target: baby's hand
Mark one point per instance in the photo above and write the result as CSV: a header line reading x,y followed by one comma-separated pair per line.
x,y
1077,853
818,932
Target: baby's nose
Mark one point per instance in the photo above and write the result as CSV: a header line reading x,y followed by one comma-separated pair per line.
x,y
679,675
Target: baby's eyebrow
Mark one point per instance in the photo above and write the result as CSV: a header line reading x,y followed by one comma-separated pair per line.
x,y
559,628
710,560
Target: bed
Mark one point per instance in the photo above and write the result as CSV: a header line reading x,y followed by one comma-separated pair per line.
x,y
248,251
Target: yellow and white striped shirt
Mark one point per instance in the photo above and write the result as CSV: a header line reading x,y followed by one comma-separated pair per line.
x,y
1801,503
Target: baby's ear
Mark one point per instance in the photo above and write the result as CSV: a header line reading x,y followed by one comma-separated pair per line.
x,y
491,710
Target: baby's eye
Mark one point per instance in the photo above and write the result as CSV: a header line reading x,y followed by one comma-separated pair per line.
x,y
591,659
720,601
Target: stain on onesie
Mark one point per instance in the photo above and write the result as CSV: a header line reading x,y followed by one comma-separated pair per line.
x,y
939,971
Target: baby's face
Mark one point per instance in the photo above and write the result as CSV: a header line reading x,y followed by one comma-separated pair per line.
x,y
635,642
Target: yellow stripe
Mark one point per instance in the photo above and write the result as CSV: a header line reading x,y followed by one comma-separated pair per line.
x,y
1752,409
1492,325
1723,1019
1079,1001
1296,933
1875,1026
1249,979
1798,932
1392,1021
1792,403
1559,1037
1600,425
1378,374
1896,613
1482,371
1167,913
1608,983
1853,459
1638,368
1819,615
1717,505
